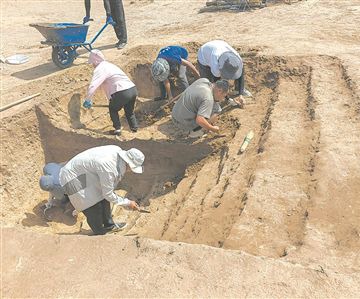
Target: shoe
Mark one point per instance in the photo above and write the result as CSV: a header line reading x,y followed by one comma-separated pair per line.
x,y
120,45
196,134
246,93
116,227
117,132
134,130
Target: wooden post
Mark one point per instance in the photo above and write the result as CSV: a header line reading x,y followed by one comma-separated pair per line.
x,y
19,102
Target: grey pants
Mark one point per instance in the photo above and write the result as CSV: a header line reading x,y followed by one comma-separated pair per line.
x,y
181,79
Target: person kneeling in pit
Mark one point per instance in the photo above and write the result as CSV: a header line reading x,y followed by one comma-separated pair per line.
x,y
50,182
172,62
218,60
89,180
198,107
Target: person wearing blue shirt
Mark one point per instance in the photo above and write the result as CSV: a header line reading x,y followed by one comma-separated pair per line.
x,y
172,62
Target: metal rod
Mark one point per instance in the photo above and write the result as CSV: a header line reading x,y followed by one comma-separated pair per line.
x,y
97,34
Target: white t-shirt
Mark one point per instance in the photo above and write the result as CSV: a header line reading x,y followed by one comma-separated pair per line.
x,y
210,53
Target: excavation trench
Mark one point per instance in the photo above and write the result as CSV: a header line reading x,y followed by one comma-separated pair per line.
x,y
197,191
187,186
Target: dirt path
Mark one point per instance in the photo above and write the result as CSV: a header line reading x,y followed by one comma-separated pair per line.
x,y
332,225
277,200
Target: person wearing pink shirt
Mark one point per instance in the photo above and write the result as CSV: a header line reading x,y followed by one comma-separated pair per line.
x,y
119,89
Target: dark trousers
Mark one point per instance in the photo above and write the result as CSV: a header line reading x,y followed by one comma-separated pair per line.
x,y
205,72
116,9
182,80
123,99
99,217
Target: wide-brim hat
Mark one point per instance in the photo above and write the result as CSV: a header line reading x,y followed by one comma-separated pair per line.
x,y
160,69
230,65
134,158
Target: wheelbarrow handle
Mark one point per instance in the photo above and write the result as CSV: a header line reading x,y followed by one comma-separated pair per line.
x,y
97,34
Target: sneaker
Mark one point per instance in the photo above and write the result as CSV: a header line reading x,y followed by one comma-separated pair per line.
x,y
116,227
120,45
196,134
246,93
117,132
134,130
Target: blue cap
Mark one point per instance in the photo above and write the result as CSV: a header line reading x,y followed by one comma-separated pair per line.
x,y
46,182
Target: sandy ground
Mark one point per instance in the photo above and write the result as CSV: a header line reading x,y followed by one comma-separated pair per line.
x,y
281,220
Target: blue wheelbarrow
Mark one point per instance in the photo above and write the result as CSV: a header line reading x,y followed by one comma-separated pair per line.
x,y
65,39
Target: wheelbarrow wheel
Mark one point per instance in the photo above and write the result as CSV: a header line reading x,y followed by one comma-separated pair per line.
x,y
63,57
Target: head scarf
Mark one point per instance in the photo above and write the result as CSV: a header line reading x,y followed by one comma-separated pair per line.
x,y
96,57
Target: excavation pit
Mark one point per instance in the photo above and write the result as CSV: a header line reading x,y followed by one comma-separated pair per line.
x,y
197,191
60,128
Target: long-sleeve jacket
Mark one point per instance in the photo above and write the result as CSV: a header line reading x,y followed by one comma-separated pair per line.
x,y
110,78
92,176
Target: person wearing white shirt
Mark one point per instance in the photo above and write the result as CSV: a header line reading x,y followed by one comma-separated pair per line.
x,y
218,60
89,180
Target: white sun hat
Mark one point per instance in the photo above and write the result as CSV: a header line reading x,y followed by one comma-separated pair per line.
x,y
160,69
134,158
96,57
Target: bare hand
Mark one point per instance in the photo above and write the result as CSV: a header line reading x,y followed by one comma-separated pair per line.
x,y
215,129
133,205
240,101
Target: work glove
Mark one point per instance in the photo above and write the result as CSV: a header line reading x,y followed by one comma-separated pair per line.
x,y
109,20
87,104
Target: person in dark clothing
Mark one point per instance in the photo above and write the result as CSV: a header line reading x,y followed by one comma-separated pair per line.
x,y
114,14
